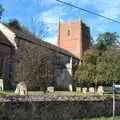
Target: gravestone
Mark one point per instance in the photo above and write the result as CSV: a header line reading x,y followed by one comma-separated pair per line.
x,y
78,89
70,88
84,90
1,85
91,90
100,90
50,89
21,89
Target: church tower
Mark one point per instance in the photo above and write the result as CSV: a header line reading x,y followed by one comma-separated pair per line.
x,y
74,36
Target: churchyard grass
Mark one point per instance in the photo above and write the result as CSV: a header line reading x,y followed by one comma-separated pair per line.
x,y
35,92
10,92
99,118
60,93
41,92
56,93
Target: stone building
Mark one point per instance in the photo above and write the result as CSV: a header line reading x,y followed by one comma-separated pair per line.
x,y
74,36
24,57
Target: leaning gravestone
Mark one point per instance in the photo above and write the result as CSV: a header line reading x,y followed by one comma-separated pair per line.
x,y
50,89
84,90
1,84
21,89
91,90
100,90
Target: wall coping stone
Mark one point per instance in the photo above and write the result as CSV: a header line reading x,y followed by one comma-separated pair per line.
x,y
49,97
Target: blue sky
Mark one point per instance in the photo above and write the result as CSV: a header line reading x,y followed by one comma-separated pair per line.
x,y
31,12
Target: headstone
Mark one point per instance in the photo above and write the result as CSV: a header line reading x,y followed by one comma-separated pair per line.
x,y
91,90
100,90
1,85
78,89
70,88
84,90
50,89
21,89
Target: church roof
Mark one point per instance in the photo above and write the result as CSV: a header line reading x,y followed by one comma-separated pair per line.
x,y
35,40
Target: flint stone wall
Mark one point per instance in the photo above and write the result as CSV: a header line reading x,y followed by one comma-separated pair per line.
x,y
54,66
36,62
51,107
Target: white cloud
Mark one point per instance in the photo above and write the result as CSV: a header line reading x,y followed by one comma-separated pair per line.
x,y
52,40
108,8
52,16
51,19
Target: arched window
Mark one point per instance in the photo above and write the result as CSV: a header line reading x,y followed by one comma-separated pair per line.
x,y
68,33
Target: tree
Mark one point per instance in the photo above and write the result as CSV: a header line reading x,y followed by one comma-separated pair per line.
x,y
14,23
1,11
31,65
107,39
99,67
86,72
39,28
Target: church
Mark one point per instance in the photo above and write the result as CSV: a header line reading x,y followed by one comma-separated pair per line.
x,y
74,36
25,57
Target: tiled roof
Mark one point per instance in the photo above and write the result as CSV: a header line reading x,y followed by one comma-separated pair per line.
x,y
35,40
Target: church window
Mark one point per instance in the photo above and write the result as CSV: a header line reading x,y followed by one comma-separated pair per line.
x,y
68,33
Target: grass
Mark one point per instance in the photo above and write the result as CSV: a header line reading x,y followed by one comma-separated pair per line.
x,y
62,93
41,92
35,92
65,93
55,93
99,118
7,92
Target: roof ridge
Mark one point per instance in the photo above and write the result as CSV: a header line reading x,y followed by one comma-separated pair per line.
x,y
29,37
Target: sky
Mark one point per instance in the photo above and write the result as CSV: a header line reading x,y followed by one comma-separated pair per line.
x,y
31,13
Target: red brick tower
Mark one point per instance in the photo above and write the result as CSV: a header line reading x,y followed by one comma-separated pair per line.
x,y
74,36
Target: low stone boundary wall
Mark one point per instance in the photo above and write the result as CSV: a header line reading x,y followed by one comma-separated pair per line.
x,y
44,107
50,97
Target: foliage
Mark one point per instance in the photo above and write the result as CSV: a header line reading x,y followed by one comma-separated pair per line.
x,y
39,29
1,10
107,38
99,118
34,64
33,67
100,64
14,23
99,67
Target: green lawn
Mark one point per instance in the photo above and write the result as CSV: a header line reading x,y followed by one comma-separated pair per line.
x,y
35,92
99,118
41,92
61,93
7,93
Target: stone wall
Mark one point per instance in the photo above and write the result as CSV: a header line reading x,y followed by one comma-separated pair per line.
x,y
5,63
36,62
55,109
40,65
